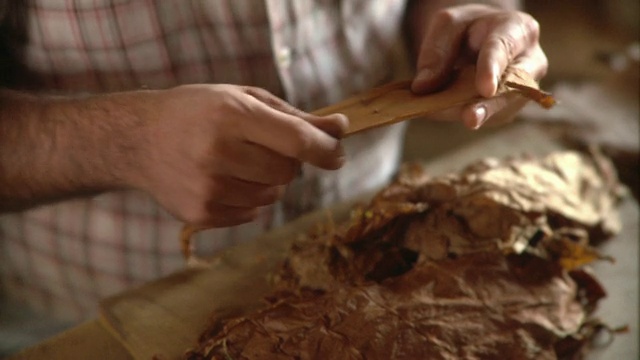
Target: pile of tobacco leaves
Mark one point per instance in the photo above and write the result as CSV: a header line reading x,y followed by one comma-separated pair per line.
x,y
488,263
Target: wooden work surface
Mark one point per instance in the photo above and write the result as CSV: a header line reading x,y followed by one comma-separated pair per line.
x,y
165,317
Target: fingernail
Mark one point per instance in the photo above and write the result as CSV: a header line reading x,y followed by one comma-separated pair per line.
x,y
481,116
495,69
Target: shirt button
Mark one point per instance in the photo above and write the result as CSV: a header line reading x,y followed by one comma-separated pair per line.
x,y
284,56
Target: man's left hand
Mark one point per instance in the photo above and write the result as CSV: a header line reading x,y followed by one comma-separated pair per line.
x,y
490,37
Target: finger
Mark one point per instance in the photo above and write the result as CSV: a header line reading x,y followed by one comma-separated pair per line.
x,y
239,193
224,216
497,110
441,45
448,115
228,191
335,125
503,109
505,41
255,163
293,137
533,62
273,101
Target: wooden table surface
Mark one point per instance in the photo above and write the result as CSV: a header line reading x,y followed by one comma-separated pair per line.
x,y
91,340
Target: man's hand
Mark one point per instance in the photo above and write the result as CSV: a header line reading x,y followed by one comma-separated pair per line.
x,y
213,154
490,37
210,154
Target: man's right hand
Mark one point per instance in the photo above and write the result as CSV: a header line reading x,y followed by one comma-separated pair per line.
x,y
213,154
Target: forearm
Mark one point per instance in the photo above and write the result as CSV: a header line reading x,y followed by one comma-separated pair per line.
x,y
56,148
419,13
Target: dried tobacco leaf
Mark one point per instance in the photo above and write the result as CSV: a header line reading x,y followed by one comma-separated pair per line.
x,y
572,255
521,81
366,221
483,264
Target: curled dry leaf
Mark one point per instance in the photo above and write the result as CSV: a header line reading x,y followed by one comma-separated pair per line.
x,y
520,81
485,264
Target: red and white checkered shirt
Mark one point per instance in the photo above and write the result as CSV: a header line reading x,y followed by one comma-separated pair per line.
x,y
63,258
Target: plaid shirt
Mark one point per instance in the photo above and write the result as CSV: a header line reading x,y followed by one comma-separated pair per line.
x,y
63,258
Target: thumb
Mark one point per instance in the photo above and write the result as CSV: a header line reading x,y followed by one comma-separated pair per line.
x,y
335,125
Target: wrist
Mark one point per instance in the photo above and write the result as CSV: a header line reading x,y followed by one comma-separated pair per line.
x,y
124,136
52,148
99,139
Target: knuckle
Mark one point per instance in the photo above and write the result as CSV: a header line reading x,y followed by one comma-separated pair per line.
x,y
530,28
444,18
544,64
507,43
534,27
222,102
257,92
269,99
230,102
435,52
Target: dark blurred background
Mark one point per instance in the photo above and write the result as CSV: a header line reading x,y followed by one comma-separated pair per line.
x,y
575,31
